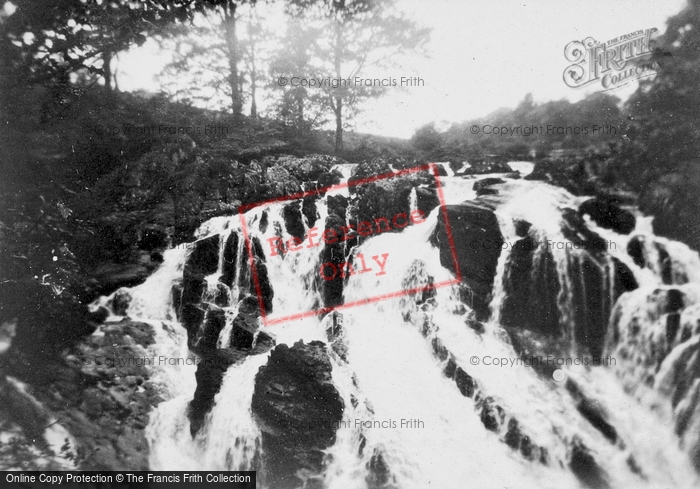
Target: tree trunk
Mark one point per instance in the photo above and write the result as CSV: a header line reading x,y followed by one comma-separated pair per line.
x,y
107,69
234,56
116,73
338,125
253,82
338,109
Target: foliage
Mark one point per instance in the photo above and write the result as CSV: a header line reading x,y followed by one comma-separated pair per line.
x,y
530,129
47,40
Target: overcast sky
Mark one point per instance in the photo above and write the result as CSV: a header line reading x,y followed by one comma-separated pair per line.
x,y
484,54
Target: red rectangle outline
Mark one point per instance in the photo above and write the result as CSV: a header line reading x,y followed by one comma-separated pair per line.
x,y
300,195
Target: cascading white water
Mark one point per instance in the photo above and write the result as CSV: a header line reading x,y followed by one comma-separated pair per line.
x,y
393,375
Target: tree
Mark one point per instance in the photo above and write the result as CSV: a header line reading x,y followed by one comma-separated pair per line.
x,y
228,12
209,54
47,40
299,107
427,139
357,35
664,129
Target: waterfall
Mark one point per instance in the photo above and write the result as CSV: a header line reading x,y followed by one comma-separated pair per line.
x,y
413,200
420,411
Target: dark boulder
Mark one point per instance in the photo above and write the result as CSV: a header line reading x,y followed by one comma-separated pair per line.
x,y
293,222
309,167
577,233
591,411
368,169
637,250
330,178
608,214
585,467
230,259
205,341
332,253
477,241
280,182
203,261
209,375
532,287
120,301
298,410
245,324
309,210
485,183
427,199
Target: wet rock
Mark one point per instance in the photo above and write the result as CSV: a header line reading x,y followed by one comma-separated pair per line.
x,y
584,466
214,323
522,228
230,259
203,261
532,288
666,265
112,276
673,324
636,249
332,289
367,169
281,181
310,167
591,310
485,183
476,326
293,221
624,278
120,302
439,349
264,342
209,375
191,317
517,440
477,240
204,258
465,383
379,201
674,300
245,324
427,199
264,222
378,474
298,410
608,214
591,411
577,233
450,368
330,178
492,415
308,209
